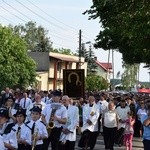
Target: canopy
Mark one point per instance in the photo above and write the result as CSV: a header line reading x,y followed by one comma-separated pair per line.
x,y
143,90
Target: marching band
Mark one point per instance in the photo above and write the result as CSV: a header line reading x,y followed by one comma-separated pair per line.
x,y
38,121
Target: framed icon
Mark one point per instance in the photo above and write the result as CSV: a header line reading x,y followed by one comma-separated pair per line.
x,y
73,83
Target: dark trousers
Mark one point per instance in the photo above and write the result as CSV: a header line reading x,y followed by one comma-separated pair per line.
x,y
146,144
24,147
88,139
109,137
137,127
38,147
99,123
119,136
53,138
69,145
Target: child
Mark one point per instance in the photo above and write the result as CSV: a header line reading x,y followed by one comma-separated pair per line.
x,y
128,132
23,132
38,129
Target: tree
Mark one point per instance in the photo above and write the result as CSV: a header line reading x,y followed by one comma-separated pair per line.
x,y
95,82
130,75
126,27
16,68
89,58
35,36
63,51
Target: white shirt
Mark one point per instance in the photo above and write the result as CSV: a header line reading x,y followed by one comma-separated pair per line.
x,y
110,118
122,112
91,113
40,128
141,112
25,133
46,100
60,113
1,143
27,103
72,123
10,138
103,105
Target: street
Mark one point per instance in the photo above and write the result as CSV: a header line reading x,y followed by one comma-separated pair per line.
x,y
137,144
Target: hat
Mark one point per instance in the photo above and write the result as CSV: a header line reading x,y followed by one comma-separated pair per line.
x,y
36,109
56,93
20,112
45,92
4,112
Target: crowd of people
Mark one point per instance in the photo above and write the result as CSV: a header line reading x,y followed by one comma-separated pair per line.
x,y
37,120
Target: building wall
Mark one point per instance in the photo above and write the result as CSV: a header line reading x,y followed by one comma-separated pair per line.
x,y
42,79
46,79
101,72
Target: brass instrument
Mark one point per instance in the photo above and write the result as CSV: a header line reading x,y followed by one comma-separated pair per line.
x,y
18,134
34,138
51,124
38,105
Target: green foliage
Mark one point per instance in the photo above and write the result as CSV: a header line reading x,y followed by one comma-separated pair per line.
x,y
126,27
35,36
16,68
129,77
95,82
89,58
62,51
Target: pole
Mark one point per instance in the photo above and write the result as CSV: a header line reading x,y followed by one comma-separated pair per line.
x,y
113,68
108,64
80,48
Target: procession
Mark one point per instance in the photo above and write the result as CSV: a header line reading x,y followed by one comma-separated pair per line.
x,y
32,120
75,75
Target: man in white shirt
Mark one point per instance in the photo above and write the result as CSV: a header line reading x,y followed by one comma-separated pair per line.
x,y
68,135
110,120
45,98
90,124
25,102
122,111
56,113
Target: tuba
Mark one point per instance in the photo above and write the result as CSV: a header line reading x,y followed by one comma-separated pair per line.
x,y
51,124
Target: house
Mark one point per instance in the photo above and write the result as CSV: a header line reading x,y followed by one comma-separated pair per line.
x,y
50,67
104,69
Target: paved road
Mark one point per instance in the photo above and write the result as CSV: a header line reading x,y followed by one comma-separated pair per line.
x,y
137,144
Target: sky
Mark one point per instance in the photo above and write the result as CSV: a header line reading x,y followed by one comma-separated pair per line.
x,y
63,19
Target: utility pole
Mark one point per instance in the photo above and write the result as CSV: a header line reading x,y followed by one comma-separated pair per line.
x,y
113,69
80,48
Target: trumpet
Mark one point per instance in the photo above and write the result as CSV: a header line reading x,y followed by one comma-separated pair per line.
x,y
34,139
51,123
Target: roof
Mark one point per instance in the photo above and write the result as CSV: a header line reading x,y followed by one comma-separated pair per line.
x,y
64,58
41,59
105,66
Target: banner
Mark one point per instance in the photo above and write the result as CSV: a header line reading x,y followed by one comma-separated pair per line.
x,y
73,83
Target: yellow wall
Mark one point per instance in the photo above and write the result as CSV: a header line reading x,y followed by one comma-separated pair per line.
x,y
42,78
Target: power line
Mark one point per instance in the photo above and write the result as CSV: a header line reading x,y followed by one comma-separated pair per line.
x,y
17,10
7,19
52,16
55,18
40,15
30,19
43,19
12,14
